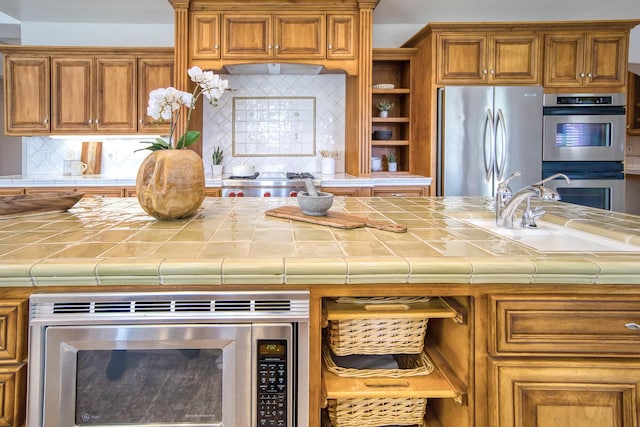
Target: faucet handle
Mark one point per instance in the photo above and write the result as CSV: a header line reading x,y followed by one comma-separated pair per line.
x,y
549,178
503,192
505,183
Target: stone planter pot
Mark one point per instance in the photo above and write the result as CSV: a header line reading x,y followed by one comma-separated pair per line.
x,y
170,183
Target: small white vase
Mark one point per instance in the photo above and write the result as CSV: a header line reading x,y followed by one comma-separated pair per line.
x,y
384,113
216,170
393,167
328,166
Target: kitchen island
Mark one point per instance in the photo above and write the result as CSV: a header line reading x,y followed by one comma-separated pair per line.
x,y
528,323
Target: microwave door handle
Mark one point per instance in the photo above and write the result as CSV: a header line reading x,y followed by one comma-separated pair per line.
x,y
488,145
502,127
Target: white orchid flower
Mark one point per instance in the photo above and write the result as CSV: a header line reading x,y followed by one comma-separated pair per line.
x,y
164,104
164,101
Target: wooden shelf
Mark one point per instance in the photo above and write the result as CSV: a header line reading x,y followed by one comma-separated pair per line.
x,y
389,142
393,66
401,91
390,120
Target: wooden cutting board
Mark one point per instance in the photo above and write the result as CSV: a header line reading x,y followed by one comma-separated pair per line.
x,y
92,156
335,219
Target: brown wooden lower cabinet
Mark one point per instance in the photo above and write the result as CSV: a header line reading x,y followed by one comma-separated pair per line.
x,y
564,393
348,191
547,356
11,191
408,191
13,391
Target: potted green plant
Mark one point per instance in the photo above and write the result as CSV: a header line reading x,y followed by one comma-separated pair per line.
x,y
392,162
384,107
216,162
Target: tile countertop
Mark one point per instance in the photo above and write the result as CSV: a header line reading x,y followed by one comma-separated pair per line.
x,y
336,180
112,241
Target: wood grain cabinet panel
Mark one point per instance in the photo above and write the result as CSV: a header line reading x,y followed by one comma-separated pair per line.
x,y
594,325
488,58
13,330
247,36
94,94
72,94
26,77
204,35
153,73
536,393
591,59
116,94
341,36
281,36
13,393
300,36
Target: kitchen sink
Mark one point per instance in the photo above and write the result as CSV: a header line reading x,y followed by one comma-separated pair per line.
x,y
550,237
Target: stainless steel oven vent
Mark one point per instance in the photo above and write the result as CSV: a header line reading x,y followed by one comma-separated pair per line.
x,y
143,306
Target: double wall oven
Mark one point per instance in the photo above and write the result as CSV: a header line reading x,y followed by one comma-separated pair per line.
x,y
198,359
584,137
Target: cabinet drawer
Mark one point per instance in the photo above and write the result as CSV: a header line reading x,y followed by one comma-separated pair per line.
x,y
565,325
13,330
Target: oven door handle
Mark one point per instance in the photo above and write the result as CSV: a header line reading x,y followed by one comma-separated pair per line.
x,y
502,129
488,145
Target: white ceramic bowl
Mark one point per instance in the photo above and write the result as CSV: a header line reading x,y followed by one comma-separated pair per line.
x,y
315,205
243,170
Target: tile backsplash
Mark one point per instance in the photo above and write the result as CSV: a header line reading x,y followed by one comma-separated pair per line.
x,y
44,155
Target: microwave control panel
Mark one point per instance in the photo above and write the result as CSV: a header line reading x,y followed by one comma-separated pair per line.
x,y
272,383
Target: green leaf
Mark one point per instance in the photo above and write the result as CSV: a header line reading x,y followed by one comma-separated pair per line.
x,y
187,139
159,144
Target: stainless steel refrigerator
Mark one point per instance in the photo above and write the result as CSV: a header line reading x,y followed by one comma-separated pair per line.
x,y
485,134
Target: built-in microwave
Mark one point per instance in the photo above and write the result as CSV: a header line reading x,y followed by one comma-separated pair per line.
x,y
158,359
584,127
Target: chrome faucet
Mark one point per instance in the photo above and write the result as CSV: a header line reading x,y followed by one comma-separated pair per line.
x,y
507,202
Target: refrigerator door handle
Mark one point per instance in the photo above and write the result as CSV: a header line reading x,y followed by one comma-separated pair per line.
x,y
502,128
488,145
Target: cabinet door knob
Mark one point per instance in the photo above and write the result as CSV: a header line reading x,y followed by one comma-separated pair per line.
x,y
330,47
90,121
45,121
484,71
589,75
492,72
97,121
581,74
277,47
140,121
633,326
216,47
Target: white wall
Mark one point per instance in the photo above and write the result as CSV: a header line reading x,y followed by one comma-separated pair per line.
x,y
91,34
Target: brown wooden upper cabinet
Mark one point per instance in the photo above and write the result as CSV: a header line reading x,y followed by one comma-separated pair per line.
x,y
585,59
272,36
27,94
71,91
488,58
93,94
153,73
204,35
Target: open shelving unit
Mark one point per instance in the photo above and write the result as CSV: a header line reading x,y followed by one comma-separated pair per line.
x,y
392,66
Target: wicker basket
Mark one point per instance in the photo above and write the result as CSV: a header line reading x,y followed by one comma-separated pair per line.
x,y
326,422
380,325
409,365
376,412
377,336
